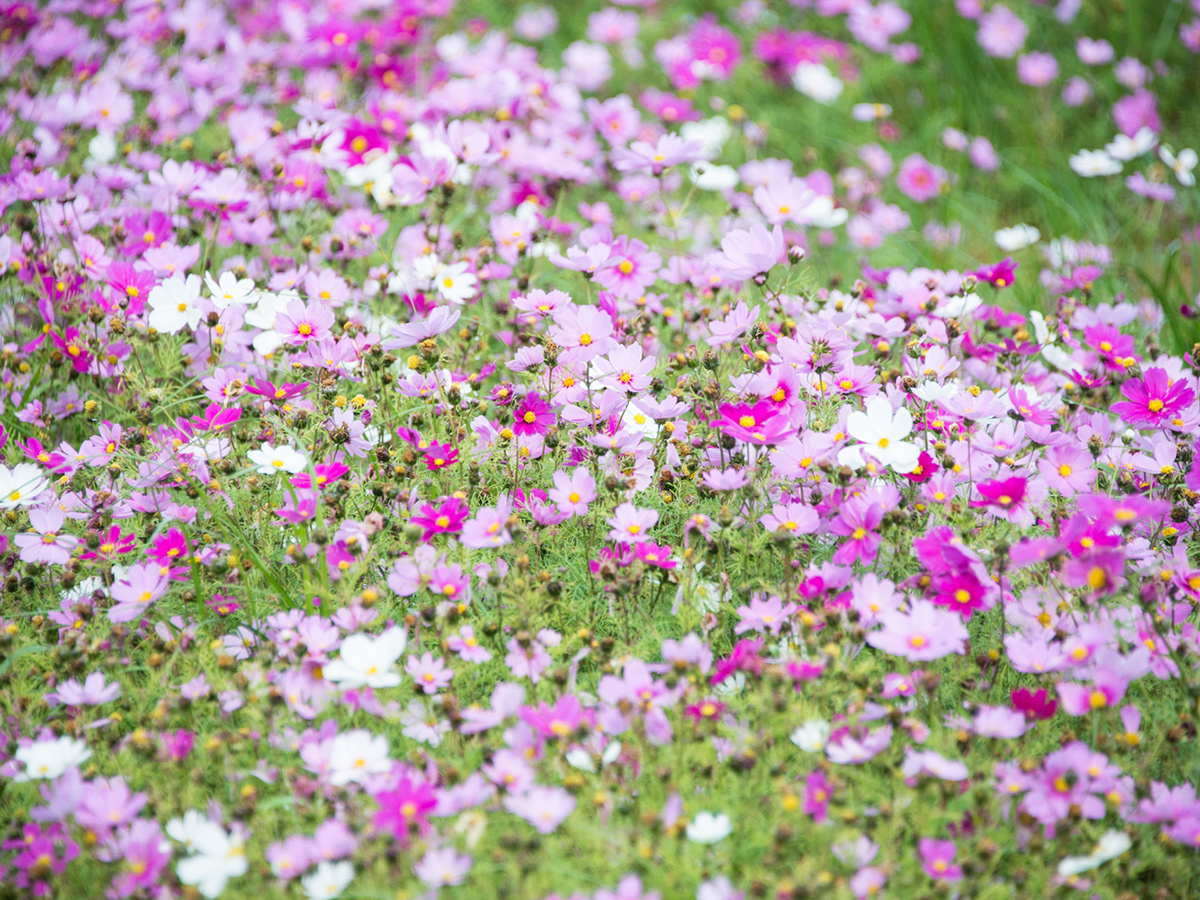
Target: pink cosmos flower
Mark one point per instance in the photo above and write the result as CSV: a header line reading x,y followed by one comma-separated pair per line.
x,y
999,722
764,614
442,867
528,661
1037,69
429,673
632,269
656,555
855,745
937,859
93,692
857,521
298,507
449,582
962,593
46,544
629,523
1001,32
582,333
1034,704
301,323
545,808
488,528
924,633
1014,498
669,150
573,493
733,326
1107,689
624,368
40,854
818,792
140,847
466,645
746,254
289,858
919,179
141,586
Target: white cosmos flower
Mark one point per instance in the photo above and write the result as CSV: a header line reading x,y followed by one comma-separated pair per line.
x,y
1091,163
267,342
266,306
328,880
375,171
709,828
21,485
932,392
49,759
811,736
173,304
815,81
101,151
1181,165
230,289
269,460
357,754
1125,148
368,662
1018,237
710,133
216,856
731,687
454,283
821,212
957,307
583,760
1110,846
881,433
709,177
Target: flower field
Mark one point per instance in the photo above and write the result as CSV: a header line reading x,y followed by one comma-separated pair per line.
x,y
610,452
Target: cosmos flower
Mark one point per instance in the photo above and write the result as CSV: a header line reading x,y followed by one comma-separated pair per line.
x,y
173,305
365,661
50,758
1153,400
881,432
215,855
925,633
709,828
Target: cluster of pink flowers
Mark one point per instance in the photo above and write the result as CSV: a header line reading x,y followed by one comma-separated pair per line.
x,y
424,461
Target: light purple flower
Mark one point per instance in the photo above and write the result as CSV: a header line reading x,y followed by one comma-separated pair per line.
x,y
93,692
442,867
545,808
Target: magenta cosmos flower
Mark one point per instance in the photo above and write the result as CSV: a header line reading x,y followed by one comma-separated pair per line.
x,y
1153,400
1011,498
937,859
533,416
857,521
405,809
